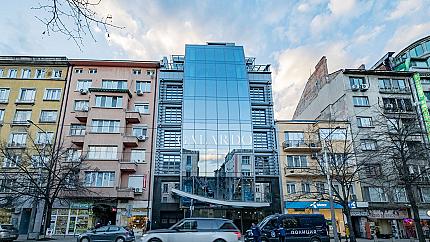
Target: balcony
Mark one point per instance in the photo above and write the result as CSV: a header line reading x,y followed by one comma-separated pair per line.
x,y
130,141
78,140
301,171
301,145
81,116
128,166
132,117
125,193
405,90
15,145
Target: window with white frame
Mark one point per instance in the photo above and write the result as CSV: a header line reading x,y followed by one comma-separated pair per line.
x,y
1,115
137,71
12,73
297,161
306,187
4,95
44,138
21,116
38,161
356,81
294,139
137,155
77,129
139,131
143,86
320,187
48,116
81,105
246,172
26,95
11,161
92,71
40,74
142,108
377,194
17,139
79,70
99,179
172,114
108,101
83,85
360,101
73,155
114,84
246,160
364,122
400,195
52,94
105,126
102,152
56,73
26,73
333,134
425,194
368,144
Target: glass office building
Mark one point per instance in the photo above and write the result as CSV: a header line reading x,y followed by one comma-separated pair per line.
x,y
216,153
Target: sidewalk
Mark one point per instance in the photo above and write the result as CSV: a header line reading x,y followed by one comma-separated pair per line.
x,y
59,238
381,240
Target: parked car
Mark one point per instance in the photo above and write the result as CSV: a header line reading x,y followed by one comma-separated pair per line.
x,y
298,227
196,229
8,232
108,233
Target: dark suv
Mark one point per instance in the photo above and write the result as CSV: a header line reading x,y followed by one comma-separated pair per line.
x,y
8,232
298,227
107,233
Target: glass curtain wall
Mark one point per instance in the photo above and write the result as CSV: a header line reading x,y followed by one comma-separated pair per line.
x,y
217,127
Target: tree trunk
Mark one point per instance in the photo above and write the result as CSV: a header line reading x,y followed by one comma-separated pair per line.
x,y
47,216
415,212
347,212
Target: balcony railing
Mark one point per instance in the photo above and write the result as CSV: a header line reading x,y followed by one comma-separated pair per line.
x,y
81,115
301,144
127,193
128,166
132,117
16,145
130,141
395,90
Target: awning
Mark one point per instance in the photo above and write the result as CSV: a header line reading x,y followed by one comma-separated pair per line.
x,y
221,202
310,204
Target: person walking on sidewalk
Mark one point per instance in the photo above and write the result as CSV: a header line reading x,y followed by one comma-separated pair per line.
x,y
256,233
282,233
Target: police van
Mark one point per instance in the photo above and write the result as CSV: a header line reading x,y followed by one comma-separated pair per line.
x,y
298,227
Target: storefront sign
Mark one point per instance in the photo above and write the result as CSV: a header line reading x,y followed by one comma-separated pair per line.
x,y
388,214
359,213
311,205
423,102
80,205
424,214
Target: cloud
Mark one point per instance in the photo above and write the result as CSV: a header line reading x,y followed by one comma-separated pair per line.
x,y
406,34
364,35
294,67
405,7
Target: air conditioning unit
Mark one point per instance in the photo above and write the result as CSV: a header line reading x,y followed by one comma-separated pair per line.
x,y
355,87
141,137
139,92
364,87
83,91
314,155
137,190
313,145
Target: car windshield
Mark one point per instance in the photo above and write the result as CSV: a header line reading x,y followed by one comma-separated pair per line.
x,y
262,222
176,224
9,227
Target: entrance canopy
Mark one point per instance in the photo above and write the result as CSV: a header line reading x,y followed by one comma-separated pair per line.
x,y
221,202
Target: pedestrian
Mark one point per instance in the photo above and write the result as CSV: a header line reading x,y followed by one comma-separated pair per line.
x,y
282,233
256,233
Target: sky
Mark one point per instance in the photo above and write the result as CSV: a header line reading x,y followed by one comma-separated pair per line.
x,y
290,35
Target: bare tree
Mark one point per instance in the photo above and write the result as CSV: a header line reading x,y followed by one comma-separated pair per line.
x,y
402,153
335,165
74,18
40,172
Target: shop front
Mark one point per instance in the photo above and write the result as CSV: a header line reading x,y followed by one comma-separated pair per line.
x,y
425,221
72,220
389,223
134,214
322,207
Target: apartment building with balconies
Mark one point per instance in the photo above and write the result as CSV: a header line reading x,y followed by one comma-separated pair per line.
x,y
31,89
108,120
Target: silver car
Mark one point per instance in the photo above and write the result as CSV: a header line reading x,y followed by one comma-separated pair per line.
x,y
8,232
196,229
110,233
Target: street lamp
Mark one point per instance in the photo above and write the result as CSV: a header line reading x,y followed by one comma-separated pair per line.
x,y
330,190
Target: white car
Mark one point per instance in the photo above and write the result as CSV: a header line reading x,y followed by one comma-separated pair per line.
x,y
198,230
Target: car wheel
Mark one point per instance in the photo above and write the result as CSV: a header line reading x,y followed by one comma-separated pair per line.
x,y
154,240
85,239
219,240
315,240
120,239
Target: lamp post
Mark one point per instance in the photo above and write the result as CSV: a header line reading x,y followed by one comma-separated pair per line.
x,y
330,190
36,200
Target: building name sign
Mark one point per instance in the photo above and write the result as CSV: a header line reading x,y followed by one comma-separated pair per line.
x,y
388,214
